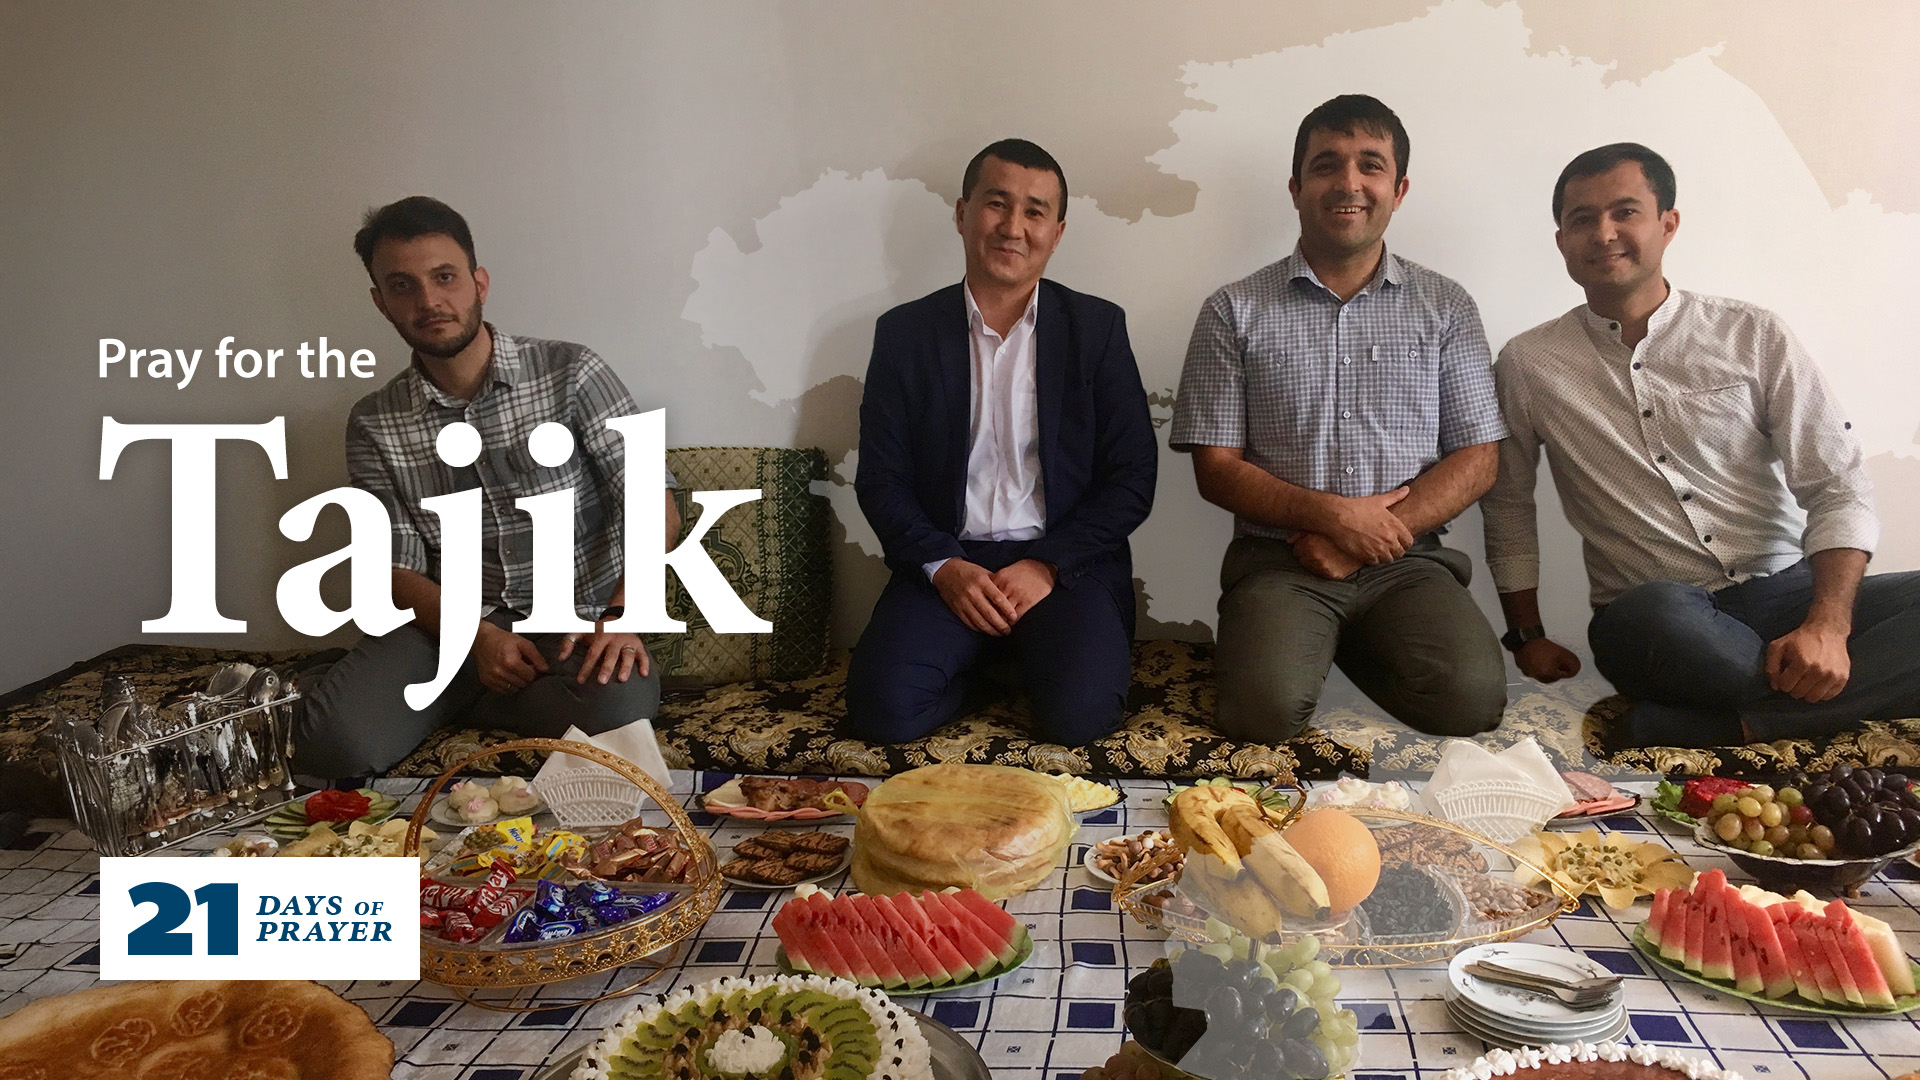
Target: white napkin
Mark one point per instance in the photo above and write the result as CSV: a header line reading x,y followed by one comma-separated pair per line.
x,y
1524,761
634,742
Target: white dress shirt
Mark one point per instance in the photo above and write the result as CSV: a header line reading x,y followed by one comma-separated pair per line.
x,y
1709,453
1006,498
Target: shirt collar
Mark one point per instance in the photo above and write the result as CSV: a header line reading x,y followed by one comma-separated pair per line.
x,y
503,368
1607,329
978,322
1296,268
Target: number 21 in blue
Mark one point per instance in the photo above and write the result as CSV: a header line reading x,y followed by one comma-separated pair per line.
x,y
157,936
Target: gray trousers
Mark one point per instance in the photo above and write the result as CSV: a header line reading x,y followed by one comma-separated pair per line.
x,y
1406,632
354,720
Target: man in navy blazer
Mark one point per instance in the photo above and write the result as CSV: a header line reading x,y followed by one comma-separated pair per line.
x,y
1005,456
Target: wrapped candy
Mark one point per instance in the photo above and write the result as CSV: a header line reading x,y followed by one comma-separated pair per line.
x,y
459,928
525,927
562,929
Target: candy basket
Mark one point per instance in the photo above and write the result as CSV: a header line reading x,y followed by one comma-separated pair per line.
x,y
652,940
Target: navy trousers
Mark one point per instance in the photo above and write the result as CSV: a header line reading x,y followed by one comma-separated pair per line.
x,y
1694,661
916,660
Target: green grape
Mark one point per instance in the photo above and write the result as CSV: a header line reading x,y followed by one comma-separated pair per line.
x,y
1791,796
1727,826
1317,968
1240,946
1325,986
1763,792
1306,948
1772,814
1778,835
1725,801
1748,806
1300,981
1219,949
1808,851
1218,931
1761,847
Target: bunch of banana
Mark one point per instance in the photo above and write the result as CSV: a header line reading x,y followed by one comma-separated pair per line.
x,y
1239,864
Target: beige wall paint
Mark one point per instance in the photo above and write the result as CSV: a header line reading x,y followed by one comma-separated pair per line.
x,y
174,175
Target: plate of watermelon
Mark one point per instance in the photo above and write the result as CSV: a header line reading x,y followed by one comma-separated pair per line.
x,y
903,944
1795,952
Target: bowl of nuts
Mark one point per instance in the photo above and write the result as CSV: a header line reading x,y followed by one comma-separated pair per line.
x,y
1110,861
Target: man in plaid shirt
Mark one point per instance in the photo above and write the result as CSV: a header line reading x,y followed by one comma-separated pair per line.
x,y
419,253
1341,403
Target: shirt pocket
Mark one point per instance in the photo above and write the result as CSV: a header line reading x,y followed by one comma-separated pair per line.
x,y
1723,421
1402,379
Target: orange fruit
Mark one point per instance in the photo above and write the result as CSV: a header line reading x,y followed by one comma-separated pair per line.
x,y
1342,850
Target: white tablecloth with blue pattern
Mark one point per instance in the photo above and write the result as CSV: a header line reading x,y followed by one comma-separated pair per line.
x,y
1054,1017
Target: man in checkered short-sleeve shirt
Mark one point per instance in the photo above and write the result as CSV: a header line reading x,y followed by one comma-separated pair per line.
x,y
1720,494
1340,402
354,721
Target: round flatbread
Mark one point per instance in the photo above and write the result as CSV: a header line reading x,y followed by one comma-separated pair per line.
x,y
263,1030
986,827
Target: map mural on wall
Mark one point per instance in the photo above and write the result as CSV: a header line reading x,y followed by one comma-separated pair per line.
x,y
1491,123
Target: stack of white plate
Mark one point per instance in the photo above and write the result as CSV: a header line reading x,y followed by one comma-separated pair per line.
x,y
1508,1016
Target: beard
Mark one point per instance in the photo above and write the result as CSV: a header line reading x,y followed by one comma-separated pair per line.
x,y
443,348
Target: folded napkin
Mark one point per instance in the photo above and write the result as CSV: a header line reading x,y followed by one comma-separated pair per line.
x,y
1522,763
634,742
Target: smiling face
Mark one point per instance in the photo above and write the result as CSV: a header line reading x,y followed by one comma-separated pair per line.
x,y
1010,224
426,288
1612,231
1347,191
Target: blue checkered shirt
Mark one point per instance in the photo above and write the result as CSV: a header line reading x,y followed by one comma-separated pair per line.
x,y
1355,398
390,452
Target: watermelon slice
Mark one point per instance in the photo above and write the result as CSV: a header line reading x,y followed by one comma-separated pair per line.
x,y
996,917
1803,979
898,953
1004,951
840,915
1696,951
915,944
1715,939
860,963
808,945
1776,978
977,954
1816,954
915,915
1673,942
1657,918
1887,952
1859,956
1746,962
1835,958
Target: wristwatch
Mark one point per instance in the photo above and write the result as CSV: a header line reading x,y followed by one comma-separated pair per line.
x,y
1520,635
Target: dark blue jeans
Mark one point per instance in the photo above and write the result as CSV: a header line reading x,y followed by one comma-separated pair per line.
x,y
916,660
1699,658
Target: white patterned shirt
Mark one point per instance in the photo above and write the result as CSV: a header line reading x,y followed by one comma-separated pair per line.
x,y
1352,398
391,436
1006,495
1709,453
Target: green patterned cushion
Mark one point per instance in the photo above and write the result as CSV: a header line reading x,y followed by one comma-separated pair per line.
x,y
773,551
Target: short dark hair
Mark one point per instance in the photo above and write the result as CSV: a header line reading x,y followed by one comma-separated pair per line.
x,y
1018,152
415,215
1351,114
1602,159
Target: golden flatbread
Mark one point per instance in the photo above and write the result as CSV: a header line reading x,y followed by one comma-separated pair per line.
x,y
250,1030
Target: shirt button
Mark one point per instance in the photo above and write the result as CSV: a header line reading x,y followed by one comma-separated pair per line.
x,y
1646,412
1708,539
1613,326
1349,469
1688,497
1346,414
1662,458
1346,360
1636,366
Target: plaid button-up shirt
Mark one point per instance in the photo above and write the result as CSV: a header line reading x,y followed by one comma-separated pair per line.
x,y
390,452
1352,398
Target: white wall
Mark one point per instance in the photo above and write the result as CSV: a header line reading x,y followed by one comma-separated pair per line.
x,y
720,198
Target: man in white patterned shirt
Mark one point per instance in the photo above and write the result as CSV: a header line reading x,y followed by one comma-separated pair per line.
x,y
1720,492
354,721
1340,403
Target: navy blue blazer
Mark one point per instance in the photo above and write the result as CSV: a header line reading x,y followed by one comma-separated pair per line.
x,y
1098,454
